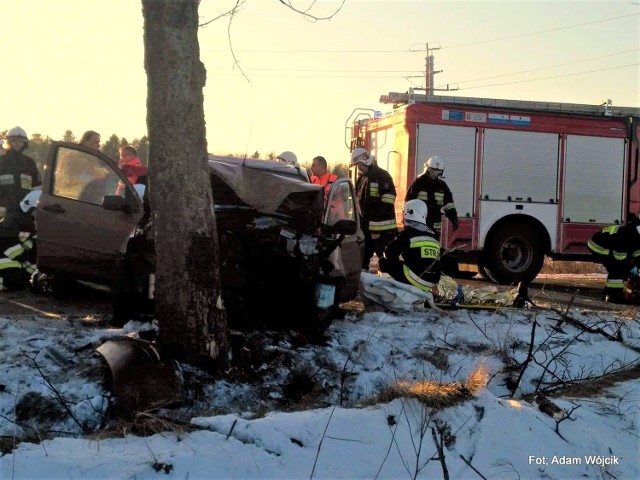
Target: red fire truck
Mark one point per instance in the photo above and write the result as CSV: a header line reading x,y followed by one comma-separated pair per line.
x,y
529,179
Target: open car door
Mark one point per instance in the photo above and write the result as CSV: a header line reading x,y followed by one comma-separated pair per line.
x,y
341,205
87,213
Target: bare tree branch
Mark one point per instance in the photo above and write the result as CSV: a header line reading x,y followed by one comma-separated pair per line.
x,y
307,15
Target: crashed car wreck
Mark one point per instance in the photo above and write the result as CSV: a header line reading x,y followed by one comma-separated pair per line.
x,y
285,252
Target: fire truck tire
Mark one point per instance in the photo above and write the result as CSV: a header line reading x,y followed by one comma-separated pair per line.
x,y
514,253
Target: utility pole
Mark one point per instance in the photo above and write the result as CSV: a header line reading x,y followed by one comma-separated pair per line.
x,y
429,71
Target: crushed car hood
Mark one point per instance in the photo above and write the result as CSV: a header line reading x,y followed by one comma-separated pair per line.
x,y
250,184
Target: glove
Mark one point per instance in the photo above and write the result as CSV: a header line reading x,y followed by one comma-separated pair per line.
x,y
454,224
634,272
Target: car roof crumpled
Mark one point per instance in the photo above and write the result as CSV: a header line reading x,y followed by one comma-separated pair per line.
x,y
262,188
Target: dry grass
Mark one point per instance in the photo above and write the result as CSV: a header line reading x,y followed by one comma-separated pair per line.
x,y
554,267
144,424
598,387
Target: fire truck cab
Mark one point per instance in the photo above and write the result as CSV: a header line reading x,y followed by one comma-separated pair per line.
x,y
529,179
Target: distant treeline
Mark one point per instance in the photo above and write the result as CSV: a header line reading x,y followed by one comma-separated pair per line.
x,y
39,146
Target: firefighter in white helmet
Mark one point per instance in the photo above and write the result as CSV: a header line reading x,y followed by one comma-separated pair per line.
x,y
18,172
290,159
18,243
376,197
436,193
413,256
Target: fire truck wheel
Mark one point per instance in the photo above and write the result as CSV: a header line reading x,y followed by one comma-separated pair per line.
x,y
514,253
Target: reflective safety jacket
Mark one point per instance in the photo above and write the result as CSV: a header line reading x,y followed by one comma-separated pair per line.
x,y
17,249
326,181
18,175
376,197
438,197
618,242
413,257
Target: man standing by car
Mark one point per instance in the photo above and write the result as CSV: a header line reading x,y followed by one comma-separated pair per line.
x,y
376,197
18,172
430,188
131,166
321,175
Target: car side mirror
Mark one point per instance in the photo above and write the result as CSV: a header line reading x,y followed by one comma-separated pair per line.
x,y
115,202
341,227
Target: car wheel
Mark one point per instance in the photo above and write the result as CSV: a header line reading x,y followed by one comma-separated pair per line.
x,y
514,254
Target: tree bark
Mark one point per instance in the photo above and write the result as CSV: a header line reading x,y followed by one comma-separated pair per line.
x,y
188,290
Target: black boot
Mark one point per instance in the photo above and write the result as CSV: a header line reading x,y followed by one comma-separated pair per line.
x,y
613,295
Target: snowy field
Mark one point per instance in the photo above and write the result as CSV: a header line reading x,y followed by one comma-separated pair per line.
x,y
465,394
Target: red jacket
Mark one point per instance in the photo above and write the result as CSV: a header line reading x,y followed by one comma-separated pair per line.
x,y
133,170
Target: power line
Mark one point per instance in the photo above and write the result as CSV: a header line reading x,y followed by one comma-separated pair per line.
x,y
306,51
541,31
414,51
315,76
407,71
550,78
546,68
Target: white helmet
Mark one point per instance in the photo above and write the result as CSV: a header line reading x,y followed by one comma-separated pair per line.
x,y
30,202
436,162
361,155
288,158
415,211
17,132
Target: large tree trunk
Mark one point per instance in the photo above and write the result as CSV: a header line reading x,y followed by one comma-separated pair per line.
x,y
188,287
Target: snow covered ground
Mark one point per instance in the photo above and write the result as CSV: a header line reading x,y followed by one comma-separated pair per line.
x,y
429,395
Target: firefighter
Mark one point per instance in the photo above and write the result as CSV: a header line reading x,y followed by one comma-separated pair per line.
x,y
413,256
617,248
288,158
18,172
18,244
376,196
291,159
435,191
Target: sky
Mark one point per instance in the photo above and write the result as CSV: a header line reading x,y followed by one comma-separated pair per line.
x,y
368,436
78,64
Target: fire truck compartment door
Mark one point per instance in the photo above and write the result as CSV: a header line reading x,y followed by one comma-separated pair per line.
x,y
457,146
594,179
520,166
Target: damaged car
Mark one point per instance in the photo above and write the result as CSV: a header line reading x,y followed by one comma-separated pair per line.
x,y
286,252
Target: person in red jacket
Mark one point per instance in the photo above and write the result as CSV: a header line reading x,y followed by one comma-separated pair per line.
x,y
321,175
131,166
